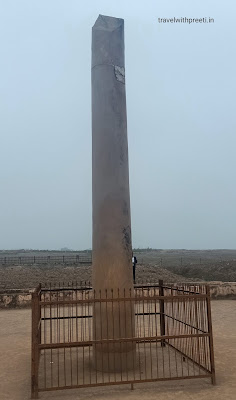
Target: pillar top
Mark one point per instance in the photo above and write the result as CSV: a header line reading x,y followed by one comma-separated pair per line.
x,y
107,23
108,42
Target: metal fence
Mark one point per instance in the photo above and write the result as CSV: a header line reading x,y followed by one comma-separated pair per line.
x,y
172,337
87,259
29,260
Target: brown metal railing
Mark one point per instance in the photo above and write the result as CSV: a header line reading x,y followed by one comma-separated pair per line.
x,y
172,336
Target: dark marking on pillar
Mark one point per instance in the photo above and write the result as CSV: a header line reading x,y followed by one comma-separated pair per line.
x,y
127,238
121,156
125,208
119,73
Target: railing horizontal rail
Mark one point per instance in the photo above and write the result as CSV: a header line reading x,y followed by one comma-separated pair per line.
x,y
181,290
119,340
185,323
151,286
90,316
122,299
66,289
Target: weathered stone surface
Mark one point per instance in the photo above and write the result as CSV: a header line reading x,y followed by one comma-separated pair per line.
x,y
111,203
15,299
112,249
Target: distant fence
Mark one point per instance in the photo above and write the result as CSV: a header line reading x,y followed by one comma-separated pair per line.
x,y
29,260
183,261
86,259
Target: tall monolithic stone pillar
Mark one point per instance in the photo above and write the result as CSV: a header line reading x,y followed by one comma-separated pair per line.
x,y
112,249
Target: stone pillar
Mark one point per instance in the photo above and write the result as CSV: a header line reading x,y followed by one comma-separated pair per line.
x,y
112,249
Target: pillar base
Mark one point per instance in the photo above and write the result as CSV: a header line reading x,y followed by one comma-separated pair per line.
x,y
114,361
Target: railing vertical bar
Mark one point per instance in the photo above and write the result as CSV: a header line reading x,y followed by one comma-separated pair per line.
x,y
167,322
64,333
44,340
148,305
125,334
172,330
108,346
156,333
144,334
34,350
58,340
89,338
82,333
162,311
132,310
95,333
76,334
113,333
181,332
119,330
188,332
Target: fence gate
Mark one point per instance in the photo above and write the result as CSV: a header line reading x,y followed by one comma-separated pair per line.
x,y
172,339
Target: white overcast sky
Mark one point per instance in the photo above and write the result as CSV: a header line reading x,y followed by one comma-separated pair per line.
x,y
181,88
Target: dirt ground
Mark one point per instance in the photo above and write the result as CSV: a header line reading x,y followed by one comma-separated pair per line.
x,y
15,346
25,277
173,266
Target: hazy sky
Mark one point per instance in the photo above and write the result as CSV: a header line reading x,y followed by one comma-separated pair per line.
x,y
181,88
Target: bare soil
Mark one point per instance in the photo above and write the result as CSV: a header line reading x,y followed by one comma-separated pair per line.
x,y
170,265
25,277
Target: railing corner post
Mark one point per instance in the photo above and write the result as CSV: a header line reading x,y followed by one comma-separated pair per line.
x,y
211,348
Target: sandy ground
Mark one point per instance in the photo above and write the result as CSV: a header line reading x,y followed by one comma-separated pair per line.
x,y
15,330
